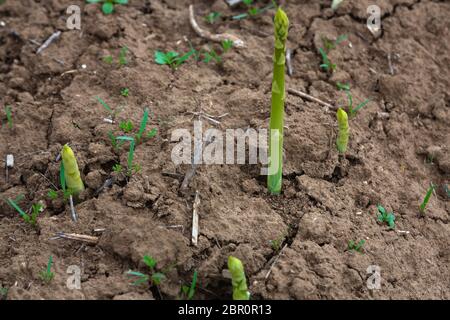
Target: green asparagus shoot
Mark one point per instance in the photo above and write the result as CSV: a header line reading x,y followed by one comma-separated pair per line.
x,y
238,280
274,177
424,203
343,134
383,216
172,58
47,275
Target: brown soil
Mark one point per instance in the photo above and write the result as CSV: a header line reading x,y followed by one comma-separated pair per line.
x,y
326,200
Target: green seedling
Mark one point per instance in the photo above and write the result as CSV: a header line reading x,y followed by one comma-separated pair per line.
x,y
142,126
108,5
155,278
108,59
116,145
356,246
447,190
112,113
252,10
383,216
213,55
343,134
212,17
227,45
352,110
238,280
125,92
130,152
52,194
343,86
126,126
326,63
188,292
123,56
330,44
277,243
274,179
424,203
47,275
117,168
31,219
9,116
3,290
172,58
152,133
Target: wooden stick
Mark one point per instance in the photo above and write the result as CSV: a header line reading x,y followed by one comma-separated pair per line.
x,y
77,237
195,219
311,98
238,43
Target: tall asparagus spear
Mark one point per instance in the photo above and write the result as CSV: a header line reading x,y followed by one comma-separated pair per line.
x,y
274,177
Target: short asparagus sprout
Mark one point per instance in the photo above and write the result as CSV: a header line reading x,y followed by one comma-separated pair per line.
x,y
274,180
71,172
238,280
424,203
343,134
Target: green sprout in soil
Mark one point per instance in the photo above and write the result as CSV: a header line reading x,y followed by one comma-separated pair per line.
x,y
352,110
155,278
108,59
123,56
326,62
424,203
343,86
447,190
47,275
330,44
212,17
9,116
281,23
238,280
117,168
343,134
277,243
188,292
108,5
52,194
172,58
130,152
356,246
3,292
252,10
125,92
142,126
383,216
31,219
116,145
126,126
112,113
213,55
